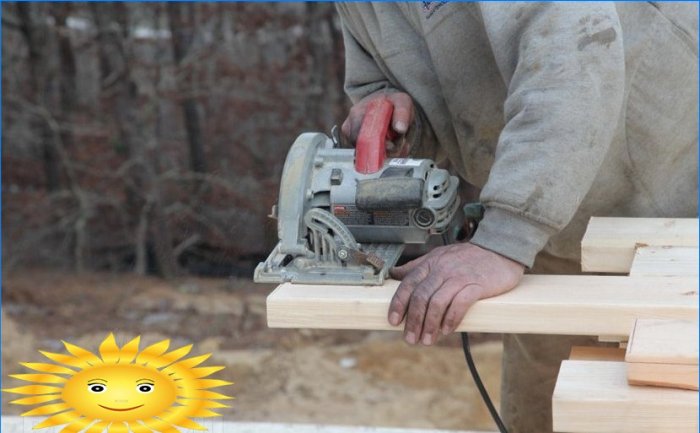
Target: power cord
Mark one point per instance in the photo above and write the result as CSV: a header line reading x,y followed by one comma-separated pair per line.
x,y
480,384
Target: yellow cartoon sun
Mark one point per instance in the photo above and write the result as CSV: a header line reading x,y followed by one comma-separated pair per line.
x,y
121,390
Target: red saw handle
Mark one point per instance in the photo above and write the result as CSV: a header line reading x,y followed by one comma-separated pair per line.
x,y
370,148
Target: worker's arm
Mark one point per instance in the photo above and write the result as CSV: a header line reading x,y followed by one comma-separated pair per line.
x,y
563,64
365,81
564,67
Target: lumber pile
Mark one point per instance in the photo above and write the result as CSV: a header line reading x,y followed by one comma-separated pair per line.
x,y
657,260
651,386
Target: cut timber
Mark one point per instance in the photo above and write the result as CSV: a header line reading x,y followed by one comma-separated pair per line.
x,y
541,304
665,262
609,243
17,424
594,397
663,353
593,353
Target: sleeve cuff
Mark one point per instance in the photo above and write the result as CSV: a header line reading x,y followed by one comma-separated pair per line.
x,y
511,235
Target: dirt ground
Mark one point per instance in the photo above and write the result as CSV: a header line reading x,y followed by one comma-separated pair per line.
x,y
338,377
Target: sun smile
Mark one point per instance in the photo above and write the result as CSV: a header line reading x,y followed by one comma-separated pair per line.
x,y
120,410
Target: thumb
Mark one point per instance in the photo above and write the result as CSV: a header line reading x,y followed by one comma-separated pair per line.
x,y
399,272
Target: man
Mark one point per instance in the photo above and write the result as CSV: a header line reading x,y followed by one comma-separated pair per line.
x,y
557,112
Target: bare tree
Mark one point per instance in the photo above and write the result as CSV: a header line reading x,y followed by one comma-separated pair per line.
x,y
183,26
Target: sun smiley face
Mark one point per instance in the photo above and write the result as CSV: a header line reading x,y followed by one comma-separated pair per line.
x,y
121,389
120,393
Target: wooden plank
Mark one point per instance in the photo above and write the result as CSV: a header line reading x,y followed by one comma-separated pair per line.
x,y
664,341
663,353
665,262
593,353
609,243
17,424
594,397
541,304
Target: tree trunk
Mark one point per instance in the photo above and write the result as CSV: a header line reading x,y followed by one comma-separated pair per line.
x,y
182,28
35,35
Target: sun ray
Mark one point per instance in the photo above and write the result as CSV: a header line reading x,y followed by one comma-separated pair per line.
x,y
203,403
34,389
160,426
210,383
179,418
68,360
59,419
47,368
192,362
48,409
201,394
98,427
39,378
118,427
193,373
82,354
137,427
37,399
170,357
109,350
152,351
129,351
76,426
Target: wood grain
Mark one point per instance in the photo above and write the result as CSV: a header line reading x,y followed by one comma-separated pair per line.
x,y
609,243
665,262
594,397
663,353
541,304
593,353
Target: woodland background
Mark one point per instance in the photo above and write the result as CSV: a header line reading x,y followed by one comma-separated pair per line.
x,y
142,145
150,137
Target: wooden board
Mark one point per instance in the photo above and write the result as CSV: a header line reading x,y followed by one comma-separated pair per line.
x,y
593,353
594,397
541,304
665,262
663,353
609,243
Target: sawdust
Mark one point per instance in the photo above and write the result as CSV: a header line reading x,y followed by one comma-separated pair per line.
x,y
338,377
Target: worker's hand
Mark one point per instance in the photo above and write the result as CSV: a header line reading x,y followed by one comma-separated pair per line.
x,y
401,120
437,289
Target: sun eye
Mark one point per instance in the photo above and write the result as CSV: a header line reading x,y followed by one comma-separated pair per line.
x,y
145,388
97,388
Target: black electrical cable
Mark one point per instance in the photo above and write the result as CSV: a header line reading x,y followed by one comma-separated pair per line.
x,y
480,385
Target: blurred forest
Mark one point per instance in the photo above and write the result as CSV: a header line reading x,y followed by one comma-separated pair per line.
x,y
150,137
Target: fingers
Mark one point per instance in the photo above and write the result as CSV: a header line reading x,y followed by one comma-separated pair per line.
x,y
461,302
403,112
401,119
437,307
399,303
418,306
400,272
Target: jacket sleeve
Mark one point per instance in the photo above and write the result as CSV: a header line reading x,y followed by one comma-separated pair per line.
x,y
563,64
362,75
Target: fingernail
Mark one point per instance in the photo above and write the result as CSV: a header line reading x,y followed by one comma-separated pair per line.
x,y
428,339
445,330
400,127
410,338
394,318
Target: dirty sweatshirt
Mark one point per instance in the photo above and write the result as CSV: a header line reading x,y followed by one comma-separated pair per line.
x,y
556,111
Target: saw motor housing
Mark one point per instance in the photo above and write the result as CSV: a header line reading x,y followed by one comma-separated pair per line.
x,y
339,226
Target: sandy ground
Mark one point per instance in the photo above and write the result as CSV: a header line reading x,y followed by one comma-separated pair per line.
x,y
335,377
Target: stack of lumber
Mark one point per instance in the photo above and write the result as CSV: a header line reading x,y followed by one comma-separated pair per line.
x,y
600,390
663,353
657,263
